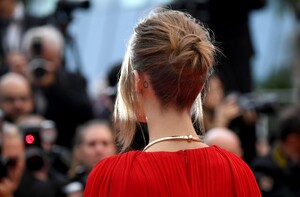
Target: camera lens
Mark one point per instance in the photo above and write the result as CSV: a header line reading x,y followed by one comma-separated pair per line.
x,y
12,162
3,167
39,72
35,159
38,67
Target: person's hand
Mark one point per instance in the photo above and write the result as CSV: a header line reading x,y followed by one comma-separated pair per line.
x,y
47,80
11,182
226,112
250,117
7,187
17,63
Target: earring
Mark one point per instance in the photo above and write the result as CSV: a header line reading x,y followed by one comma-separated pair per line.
x,y
145,84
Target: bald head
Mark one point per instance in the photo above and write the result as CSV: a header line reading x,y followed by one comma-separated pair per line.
x,y
13,78
15,96
224,138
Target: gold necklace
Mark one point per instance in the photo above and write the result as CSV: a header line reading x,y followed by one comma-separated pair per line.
x,y
188,138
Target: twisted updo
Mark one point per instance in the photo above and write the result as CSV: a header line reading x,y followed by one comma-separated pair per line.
x,y
176,53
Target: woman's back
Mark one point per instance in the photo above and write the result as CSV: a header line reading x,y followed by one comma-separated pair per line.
x,y
209,171
167,62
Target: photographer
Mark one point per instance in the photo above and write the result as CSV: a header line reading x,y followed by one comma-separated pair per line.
x,y
46,134
12,160
39,177
61,96
278,172
15,96
222,110
93,142
14,21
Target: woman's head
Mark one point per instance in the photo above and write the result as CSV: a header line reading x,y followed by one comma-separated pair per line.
x,y
175,53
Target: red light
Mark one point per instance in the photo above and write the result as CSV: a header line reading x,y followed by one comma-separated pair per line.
x,y
29,139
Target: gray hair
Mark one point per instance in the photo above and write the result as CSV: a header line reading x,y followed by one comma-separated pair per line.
x,y
46,32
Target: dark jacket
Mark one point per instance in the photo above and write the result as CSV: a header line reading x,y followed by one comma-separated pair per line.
x,y
276,175
67,104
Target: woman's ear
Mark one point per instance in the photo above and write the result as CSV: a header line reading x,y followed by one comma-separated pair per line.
x,y
137,81
138,85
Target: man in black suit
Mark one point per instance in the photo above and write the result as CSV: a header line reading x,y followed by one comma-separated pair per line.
x,y
60,95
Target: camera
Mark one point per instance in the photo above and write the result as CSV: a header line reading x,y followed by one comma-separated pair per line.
x,y
31,135
33,147
35,158
35,134
64,8
37,64
5,164
68,5
266,104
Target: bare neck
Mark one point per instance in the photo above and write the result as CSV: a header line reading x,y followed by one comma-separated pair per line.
x,y
166,122
169,123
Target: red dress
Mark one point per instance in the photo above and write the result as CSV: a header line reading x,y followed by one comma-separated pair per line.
x,y
205,172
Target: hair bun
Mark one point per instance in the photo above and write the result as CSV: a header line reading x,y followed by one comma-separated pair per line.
x,y
191,48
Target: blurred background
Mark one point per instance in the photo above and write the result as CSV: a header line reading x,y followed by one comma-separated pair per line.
x,y
59,66
102,31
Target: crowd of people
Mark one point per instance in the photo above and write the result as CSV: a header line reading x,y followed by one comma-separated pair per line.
x,y
53,133
43,105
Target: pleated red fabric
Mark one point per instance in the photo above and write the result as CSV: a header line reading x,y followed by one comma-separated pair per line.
x,y
205,172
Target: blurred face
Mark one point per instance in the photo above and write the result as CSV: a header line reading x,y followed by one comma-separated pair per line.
x,y
51,54
7,8
52,61
13,148
215,93
292,144
97,144
17,63
15,100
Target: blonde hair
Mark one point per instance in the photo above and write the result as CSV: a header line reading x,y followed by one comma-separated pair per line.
x,y
176,52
